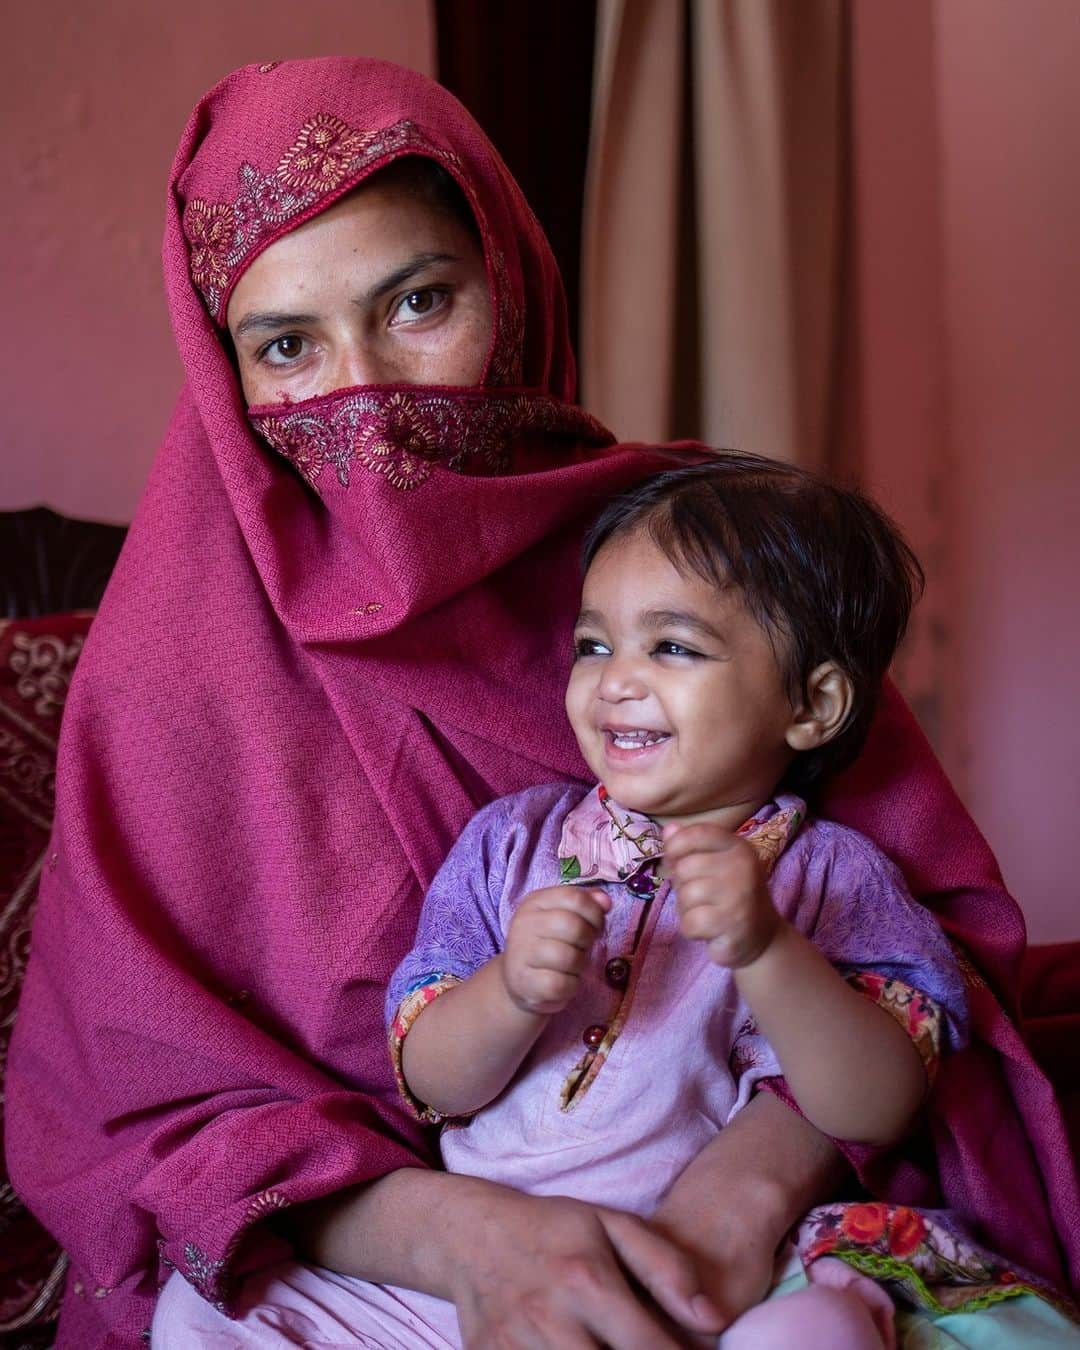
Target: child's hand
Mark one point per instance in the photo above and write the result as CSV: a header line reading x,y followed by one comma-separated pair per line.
x,y
721,892
547,946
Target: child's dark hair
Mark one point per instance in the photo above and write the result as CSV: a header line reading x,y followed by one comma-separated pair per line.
x,y
823,570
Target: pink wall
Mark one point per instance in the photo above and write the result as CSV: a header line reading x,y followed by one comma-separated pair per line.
x,y
93,101
968,303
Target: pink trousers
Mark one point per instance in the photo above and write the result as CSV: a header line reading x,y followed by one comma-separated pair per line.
x,y
295,1305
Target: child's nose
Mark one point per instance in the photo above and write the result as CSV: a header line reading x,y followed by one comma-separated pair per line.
x,y
621,678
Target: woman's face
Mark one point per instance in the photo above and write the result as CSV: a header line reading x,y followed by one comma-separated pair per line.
x,y
382,288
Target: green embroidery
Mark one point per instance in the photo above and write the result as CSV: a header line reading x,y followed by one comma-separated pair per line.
x,y
906,1279
569,869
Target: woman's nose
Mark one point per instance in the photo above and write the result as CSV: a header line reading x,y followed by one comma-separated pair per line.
x,y
621,678
359,363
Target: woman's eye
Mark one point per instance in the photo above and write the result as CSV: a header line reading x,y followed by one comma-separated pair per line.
x,y
589,647
283,350
419,305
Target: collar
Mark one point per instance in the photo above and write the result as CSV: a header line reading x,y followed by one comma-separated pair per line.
x,y
603,841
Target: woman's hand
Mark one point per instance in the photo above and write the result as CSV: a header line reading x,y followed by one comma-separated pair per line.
x,y
525,1272
555,1273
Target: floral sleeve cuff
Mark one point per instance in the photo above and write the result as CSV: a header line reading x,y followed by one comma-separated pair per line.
x,y
409,1009
915,1011
920,1017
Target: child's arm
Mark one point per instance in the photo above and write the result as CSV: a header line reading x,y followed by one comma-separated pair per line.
x,y
467,1044
853,1070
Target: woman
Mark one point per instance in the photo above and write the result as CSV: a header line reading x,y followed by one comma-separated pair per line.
x,y
313,663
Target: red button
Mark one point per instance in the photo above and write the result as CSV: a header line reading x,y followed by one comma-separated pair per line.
x,y
594,1035
617,972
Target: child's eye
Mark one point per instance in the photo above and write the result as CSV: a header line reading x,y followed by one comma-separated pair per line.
x,y
668,648
589,647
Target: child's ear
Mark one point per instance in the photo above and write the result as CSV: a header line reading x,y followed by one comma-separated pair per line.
x,y
825,708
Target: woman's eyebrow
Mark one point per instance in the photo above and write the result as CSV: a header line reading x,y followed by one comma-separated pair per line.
x,y
417,263
271,319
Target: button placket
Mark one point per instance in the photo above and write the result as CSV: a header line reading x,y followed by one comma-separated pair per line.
x,y
643,884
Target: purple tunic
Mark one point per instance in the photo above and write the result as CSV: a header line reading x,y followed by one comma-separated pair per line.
x,y
633,1078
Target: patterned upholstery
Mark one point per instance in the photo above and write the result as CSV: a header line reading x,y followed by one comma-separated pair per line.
x,y
48,564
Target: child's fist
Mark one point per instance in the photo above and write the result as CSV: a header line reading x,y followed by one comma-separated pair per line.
x,y
547,946
721,893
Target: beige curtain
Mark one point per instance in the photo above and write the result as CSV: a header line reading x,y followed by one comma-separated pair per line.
x,y
712,220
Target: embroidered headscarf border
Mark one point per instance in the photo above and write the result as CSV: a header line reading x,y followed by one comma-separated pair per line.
x,y
325,160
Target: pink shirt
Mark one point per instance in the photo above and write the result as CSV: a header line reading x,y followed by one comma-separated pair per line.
x,y
657,1052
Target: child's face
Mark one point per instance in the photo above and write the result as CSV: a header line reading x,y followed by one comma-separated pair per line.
x,y
676,697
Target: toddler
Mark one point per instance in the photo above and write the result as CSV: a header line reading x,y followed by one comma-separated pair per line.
x,y
603,977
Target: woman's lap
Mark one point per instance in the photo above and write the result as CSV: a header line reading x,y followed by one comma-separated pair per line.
x,y
294,1305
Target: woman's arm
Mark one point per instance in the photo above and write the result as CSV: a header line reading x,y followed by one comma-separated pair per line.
x,y
521,1270
735,1203
514,1263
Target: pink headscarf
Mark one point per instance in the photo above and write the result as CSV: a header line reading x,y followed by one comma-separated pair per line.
x,y
290,704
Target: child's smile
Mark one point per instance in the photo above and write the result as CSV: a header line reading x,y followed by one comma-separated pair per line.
x,y
633,742
676,696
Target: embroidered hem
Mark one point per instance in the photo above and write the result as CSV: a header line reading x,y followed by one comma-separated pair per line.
x,y
401,433
210,1275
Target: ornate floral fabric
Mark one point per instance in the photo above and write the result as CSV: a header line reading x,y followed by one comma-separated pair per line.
x,y
403,432
602,840
919,1015
410,1008
37,658
923,1258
